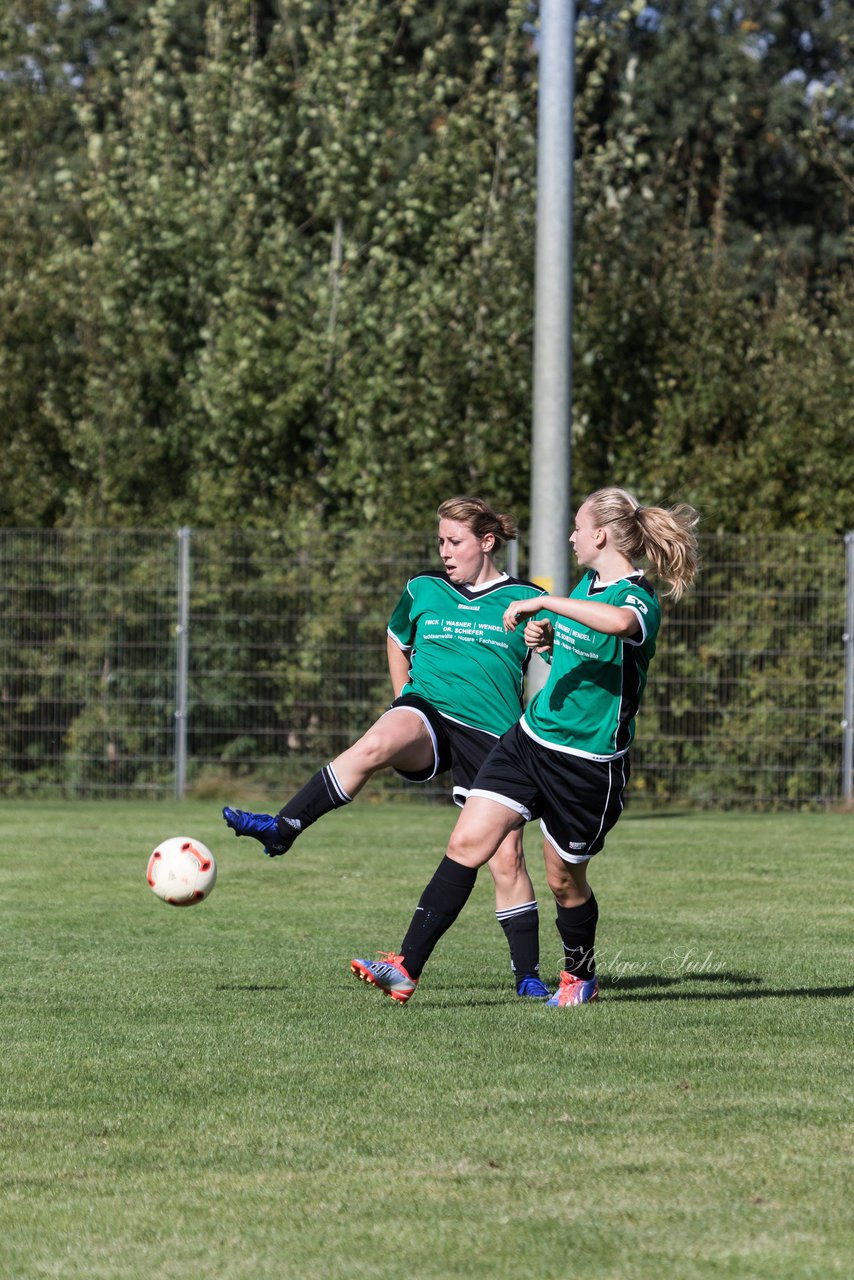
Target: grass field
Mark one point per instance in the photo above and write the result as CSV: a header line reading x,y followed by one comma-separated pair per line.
x,y
208,1093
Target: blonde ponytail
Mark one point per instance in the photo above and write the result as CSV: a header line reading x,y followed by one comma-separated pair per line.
x,y
665,536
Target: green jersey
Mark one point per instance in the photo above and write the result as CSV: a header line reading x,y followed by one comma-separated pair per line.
x,y
462,660
589,703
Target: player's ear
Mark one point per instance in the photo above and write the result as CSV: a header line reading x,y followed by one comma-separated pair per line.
x,y
487,542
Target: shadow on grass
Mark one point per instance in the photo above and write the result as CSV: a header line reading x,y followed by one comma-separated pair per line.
x,y
637,981
748,987
251,986
644,987
689,986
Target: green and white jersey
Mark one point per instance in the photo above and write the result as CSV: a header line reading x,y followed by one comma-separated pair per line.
x,y
588,705
462,659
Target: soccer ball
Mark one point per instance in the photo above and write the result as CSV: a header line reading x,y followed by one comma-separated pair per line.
x,y
182,871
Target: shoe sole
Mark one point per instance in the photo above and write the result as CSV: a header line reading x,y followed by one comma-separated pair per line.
x,y
365,975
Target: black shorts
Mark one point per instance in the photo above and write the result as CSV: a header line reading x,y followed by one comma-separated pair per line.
x,y
457,747
576,799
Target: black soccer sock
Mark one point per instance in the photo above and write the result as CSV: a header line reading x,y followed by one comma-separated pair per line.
x,y
521,927
577,929
320,795
441,903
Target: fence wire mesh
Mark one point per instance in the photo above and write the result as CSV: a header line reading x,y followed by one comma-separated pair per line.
x,y
286,664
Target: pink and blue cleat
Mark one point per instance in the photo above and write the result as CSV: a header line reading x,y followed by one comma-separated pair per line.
x,y
387,973
574,990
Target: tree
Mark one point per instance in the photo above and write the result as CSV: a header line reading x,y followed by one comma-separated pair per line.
x,y
278,258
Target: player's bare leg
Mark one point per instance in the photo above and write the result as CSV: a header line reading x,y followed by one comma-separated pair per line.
x,y
399,739
481,828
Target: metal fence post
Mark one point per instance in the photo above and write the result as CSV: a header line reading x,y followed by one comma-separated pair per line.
x,y
182,667
848,711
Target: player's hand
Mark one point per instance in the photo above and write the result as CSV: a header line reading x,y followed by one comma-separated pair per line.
x,y
539,635
519,612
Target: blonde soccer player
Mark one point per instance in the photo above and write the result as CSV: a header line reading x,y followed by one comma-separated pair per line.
x,y
566,762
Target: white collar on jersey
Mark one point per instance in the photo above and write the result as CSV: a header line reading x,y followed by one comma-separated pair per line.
x,y
635,573
484,586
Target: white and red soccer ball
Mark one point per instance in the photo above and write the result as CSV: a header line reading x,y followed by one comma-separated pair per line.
x,y
182,871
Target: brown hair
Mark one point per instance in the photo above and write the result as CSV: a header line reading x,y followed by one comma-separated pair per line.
x,y
479,517
665,536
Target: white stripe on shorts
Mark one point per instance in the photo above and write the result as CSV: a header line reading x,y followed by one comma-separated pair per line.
x,y
566,855
505,800
561,853
421,716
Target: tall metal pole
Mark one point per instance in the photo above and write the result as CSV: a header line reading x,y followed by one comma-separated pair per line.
x,y
552,410
182,662
848,705
513,557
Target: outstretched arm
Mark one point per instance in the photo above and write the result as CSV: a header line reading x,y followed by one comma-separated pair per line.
x,y
610,619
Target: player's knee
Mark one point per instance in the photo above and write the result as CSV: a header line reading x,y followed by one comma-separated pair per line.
x,y
372,752
568,883
508,861
459,846
468,846
559,880
556,881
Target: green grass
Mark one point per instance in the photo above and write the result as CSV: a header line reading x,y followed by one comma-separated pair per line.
x,y
208,1093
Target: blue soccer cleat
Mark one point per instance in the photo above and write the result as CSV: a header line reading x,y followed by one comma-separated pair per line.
x,y
263,827
574,990
388,974
533,989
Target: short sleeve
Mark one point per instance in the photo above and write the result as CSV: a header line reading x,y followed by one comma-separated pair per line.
x,y
401,626
645,608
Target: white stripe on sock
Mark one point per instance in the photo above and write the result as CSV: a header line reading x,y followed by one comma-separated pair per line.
x,y
510,912
336,784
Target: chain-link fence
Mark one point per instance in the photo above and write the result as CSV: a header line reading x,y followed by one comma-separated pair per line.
x,y
230,662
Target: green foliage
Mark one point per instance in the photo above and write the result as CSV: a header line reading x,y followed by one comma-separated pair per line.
x,y
741,695
276,260
708,345
271,266
287,664
87,681
744,408
721,94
